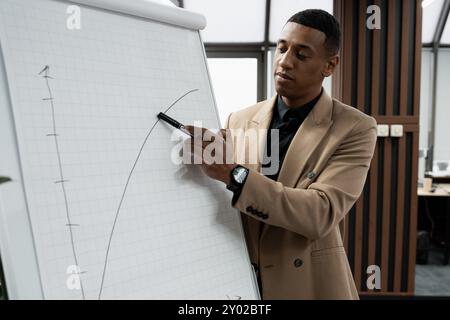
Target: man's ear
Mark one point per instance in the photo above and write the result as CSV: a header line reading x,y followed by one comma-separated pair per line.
x,y
330,66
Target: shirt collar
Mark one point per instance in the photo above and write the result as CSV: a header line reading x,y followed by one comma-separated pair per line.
x,y
297,112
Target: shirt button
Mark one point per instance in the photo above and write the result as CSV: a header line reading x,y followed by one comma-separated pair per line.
x,y
298,263
311,175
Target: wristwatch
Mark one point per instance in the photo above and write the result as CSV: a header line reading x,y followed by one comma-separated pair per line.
x,y
238,176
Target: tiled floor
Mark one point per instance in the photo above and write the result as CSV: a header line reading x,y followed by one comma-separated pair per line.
x,y
433,279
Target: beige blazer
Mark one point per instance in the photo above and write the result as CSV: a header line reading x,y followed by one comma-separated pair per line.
x,y
294,227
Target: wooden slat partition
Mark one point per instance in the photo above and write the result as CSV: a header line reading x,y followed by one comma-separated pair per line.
x,y
361,79
380,74
373,205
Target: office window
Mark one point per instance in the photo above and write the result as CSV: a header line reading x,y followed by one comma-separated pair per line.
x,y
234,81
232,20
446,34
431,11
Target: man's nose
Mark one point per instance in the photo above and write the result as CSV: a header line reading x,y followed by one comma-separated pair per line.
x,y
286,61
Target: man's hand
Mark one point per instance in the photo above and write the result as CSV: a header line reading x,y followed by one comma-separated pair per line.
x,y
213,152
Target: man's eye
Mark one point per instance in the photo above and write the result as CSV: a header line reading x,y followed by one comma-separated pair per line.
x,y
281,49
301,56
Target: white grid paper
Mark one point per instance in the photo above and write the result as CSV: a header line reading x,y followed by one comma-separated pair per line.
x,y
176,235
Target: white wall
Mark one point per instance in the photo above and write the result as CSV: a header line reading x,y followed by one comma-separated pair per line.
x,y
425,97
425,105
442,125
442,133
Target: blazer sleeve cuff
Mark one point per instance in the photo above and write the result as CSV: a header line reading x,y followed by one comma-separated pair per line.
x,y
243,201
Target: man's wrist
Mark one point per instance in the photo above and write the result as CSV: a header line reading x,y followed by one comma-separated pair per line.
x,y
228,174
238,177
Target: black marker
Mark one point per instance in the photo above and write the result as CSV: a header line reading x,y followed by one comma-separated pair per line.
x,y
174,123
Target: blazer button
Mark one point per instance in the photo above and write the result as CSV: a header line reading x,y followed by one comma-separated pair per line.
x,y
249,209
265,216
311,175
298,263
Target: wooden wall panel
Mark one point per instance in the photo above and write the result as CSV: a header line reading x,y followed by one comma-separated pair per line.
x,y
380,75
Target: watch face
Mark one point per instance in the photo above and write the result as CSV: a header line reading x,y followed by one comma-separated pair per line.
x,y
240,174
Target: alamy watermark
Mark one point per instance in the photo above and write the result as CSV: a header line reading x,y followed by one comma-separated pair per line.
x,y
215,146
374,20
73,21
73,281
374,277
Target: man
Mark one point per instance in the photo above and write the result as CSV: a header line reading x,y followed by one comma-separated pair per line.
x,y
293,217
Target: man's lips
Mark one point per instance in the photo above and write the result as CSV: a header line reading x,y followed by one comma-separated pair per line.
x,y
284,76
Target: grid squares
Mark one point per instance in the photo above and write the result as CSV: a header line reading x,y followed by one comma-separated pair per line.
x,y
175,237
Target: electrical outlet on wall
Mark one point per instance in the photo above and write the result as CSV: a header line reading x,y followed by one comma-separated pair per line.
x,y
383,130
397,130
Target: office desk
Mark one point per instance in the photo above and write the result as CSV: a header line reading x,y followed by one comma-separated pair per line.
x,y
441,190
439,177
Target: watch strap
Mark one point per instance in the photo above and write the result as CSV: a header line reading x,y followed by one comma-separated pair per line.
x,y
236,187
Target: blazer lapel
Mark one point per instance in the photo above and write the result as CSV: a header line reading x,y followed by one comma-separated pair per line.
x,y
260,123
306,140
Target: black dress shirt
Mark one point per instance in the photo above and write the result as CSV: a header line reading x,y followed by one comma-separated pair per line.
x,y
287,120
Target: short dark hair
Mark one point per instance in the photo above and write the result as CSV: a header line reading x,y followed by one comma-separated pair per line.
x,y
322,21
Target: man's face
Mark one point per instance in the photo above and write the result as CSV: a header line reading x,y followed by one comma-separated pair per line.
x,y
300,61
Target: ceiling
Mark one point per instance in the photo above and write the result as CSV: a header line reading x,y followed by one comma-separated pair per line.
x,y
250,21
